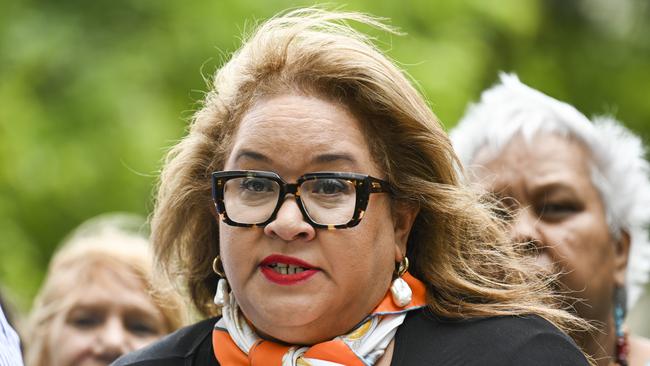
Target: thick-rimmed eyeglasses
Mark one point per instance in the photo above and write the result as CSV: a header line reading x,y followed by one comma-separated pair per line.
x,y
331,200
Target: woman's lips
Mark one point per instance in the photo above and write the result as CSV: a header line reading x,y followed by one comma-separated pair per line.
x,y
285,270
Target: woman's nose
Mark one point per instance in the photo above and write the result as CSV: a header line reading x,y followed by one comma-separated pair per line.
x,y
112,341
289,223
524,227
525,230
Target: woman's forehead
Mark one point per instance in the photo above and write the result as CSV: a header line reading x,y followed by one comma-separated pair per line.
x,y
544,160
300,130
299,116
540,148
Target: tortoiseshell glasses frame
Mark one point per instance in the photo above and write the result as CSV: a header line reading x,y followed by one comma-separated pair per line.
x,y
253,182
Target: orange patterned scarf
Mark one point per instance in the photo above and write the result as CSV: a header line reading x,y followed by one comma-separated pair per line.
x,y
236,344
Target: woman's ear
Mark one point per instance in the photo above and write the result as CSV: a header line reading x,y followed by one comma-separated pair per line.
x,y
621,255
404,214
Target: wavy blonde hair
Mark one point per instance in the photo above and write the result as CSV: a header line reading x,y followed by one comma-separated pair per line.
x,y
456,247
108,245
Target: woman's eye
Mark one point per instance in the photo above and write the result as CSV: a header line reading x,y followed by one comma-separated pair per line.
x,y
505,208
503,212
85,321
142,328
558,210
330,187
530,248
257,185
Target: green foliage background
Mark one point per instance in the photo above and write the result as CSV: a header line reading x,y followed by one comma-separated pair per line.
x,y
92,93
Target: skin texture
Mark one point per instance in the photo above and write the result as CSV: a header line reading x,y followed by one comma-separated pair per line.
x,y
293,135
559,211
101,326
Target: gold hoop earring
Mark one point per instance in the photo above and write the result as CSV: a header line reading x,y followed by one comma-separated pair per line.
x,y
403,266
217,267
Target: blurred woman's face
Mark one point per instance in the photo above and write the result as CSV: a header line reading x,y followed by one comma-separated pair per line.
x,y
110,319
350,269
559,211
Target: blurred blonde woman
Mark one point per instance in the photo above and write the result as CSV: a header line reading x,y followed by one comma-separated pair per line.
x,y
97,301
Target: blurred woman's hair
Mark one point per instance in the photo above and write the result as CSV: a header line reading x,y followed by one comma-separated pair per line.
x,y
619,170
110,245
456,247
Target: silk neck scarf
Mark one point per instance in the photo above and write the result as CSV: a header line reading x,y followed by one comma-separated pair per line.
x,y
235,342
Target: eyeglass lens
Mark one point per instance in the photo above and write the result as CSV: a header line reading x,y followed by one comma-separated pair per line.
x,y
327,201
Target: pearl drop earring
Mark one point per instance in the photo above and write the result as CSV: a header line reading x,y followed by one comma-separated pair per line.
x,y
400,290
221,296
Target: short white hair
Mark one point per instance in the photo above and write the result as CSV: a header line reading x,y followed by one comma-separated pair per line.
x,y
619,170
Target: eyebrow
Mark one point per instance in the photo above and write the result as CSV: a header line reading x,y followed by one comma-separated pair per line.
x,y
328,158
556,188
248,154
320,159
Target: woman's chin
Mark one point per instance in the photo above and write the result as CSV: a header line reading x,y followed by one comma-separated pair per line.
x,y
297,336
295,324
295,317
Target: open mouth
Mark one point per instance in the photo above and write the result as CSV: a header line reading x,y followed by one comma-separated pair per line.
x,y
285,270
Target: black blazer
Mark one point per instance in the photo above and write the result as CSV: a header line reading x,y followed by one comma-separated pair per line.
x,y
423,339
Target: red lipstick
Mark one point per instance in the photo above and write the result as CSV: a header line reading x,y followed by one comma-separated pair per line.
x,y
285,270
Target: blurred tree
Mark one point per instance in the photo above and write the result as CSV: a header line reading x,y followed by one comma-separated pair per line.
x,y
93,92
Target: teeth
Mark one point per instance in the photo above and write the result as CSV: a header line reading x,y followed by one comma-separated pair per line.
x,y
287,269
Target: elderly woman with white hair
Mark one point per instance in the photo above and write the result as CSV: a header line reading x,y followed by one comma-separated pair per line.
x,y
577,196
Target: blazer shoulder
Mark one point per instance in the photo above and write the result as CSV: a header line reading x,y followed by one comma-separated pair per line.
x,y
427,339
177,346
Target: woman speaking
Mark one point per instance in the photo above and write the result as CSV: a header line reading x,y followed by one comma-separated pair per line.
x,y
315,215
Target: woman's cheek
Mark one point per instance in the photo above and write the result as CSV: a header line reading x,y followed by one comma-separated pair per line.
x,y
68,346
